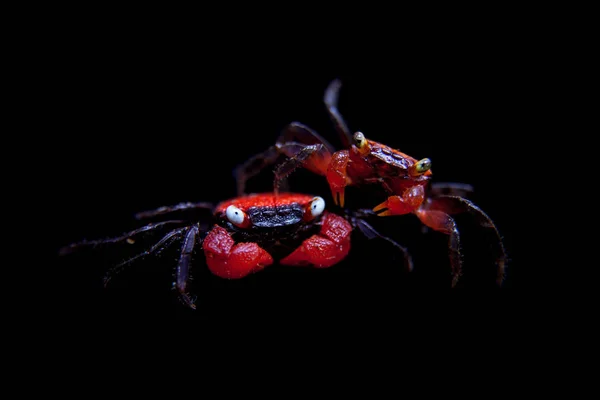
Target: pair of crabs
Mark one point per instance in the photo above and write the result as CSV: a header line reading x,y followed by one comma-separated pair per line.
x,y
251,232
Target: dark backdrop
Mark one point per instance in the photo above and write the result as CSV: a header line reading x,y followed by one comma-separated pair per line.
x,y
135,131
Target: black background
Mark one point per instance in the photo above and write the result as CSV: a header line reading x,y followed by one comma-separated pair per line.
x,y
122,112
138,127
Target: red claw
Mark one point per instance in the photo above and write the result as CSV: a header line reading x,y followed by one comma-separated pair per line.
x,y
325,249
410,201
233,261
338,177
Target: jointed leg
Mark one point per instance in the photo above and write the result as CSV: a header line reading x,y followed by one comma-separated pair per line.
x,y
170,209
182,274
455,205
371,233
285,168
301,143
331,101
450,189
158,247
292,141
296,132
126,236
442,222
243,172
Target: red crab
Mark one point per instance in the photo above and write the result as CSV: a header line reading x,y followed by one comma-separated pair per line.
x,y
275,223
249,233
365,162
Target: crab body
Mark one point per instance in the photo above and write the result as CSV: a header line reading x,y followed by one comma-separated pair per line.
x,y
290,228
370,162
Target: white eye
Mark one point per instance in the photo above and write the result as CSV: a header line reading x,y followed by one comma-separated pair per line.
x,y
317,205
235,215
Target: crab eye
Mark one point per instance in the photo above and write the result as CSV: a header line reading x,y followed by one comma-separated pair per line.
x,y
361,143
236,216
317,205
359,139
422,166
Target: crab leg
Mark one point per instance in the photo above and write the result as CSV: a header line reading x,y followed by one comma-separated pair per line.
x,y
371,233
253,166
162,244
331,101
170,209
448,205
443,222
451,189
296,132
182,273
318,163
292,141
125,237
303,147
328,247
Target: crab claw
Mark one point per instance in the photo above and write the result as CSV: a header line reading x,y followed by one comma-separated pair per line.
x,y
382,206
397,205
338,197
337,177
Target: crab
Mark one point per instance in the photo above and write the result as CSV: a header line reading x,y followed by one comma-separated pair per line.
x,y
363,162
247,234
